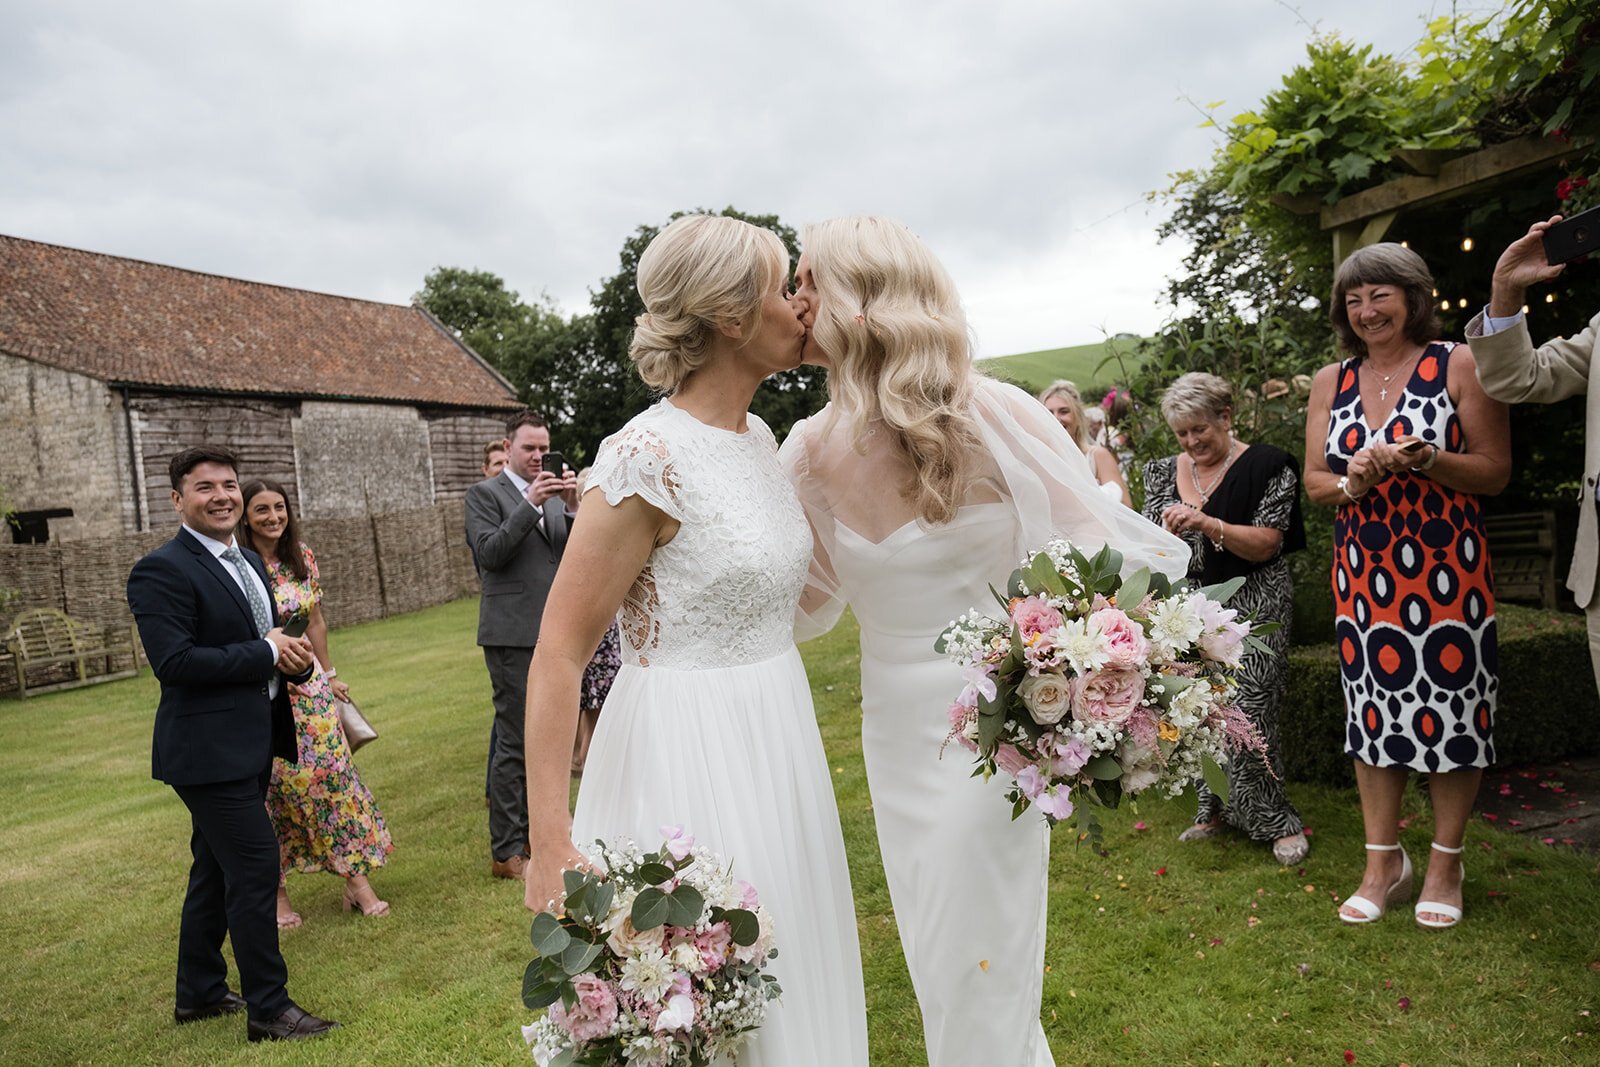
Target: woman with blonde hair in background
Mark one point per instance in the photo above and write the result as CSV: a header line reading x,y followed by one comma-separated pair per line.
x,y
691,532
1062,400
924,483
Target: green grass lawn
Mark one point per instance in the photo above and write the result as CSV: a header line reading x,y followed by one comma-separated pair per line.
x,y
1080,364
1159,953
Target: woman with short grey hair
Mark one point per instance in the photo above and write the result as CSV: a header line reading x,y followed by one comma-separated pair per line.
x,y
1238,507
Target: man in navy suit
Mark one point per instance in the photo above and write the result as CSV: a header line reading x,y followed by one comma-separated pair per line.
x,y
205,615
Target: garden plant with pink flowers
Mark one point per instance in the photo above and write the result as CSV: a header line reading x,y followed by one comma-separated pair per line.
x,y
1092,687
660,958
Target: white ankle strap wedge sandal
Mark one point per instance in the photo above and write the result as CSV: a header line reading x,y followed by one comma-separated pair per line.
x,y
1433,907
1370,911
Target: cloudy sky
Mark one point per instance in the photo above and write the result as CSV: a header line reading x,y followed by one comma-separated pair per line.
x,y
351,147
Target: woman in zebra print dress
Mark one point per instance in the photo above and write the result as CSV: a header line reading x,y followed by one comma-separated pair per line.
x,y
1238,507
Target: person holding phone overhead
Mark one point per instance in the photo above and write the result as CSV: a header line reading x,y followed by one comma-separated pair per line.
x,y
1411,578
324,816
1513,371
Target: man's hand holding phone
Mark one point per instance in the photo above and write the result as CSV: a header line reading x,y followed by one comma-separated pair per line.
x,y
553,479
294,651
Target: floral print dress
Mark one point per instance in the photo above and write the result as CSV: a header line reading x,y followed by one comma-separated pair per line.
x,y
325,819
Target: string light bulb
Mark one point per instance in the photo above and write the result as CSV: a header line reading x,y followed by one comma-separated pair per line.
x,y
1463,303
1549,298
1466,244
1444,305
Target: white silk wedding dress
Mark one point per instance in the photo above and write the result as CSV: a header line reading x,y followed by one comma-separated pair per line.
x,y
710,722
969,885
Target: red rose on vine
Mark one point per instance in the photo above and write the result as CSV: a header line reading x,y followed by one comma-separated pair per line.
x,y
1567,186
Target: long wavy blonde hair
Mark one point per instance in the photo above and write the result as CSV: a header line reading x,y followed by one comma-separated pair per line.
x,y
891,321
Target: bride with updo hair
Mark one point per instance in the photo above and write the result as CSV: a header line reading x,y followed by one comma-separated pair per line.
x,y
924,483
693,540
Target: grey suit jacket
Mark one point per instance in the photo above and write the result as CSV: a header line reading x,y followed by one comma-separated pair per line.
x,y
1513,371
516,559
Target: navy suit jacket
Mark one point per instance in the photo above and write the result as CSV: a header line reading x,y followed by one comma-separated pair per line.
x,y
215,722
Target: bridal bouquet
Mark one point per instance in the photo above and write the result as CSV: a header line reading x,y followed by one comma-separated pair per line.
x,y
1093,687
660,960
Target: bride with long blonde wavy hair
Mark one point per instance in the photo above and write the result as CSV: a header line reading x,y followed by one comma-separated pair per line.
x,y
923,482
890,318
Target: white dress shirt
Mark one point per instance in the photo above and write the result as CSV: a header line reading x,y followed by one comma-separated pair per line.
x,y
217,548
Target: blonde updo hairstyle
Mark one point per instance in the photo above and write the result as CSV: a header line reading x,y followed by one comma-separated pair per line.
x,y
701,273
890,320
1080,417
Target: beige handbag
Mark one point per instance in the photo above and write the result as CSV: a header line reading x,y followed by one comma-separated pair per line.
x,y
357,730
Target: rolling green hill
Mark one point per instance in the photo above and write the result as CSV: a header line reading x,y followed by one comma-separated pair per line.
x,y
1079,364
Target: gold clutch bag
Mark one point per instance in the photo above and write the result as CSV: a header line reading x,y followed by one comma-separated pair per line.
x,y
357,730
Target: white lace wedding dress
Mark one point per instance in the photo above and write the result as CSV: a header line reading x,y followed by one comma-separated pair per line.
x,y
969,885
710,722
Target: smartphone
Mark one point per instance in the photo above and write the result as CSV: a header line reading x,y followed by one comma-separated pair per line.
x,y
553,462
296,627
1574,237
1409,445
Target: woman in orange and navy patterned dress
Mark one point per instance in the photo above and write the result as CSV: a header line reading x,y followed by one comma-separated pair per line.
x,y
1402,438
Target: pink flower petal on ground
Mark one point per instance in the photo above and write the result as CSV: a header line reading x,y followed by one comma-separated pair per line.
x,y
1505,789
1547,840
1161,872
1405,1003
1140,826
1513,822
1491,816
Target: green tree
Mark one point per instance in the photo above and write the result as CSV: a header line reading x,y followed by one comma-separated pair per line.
x,y
618,393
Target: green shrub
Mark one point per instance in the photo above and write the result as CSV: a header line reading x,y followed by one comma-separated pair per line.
x,y
1548,707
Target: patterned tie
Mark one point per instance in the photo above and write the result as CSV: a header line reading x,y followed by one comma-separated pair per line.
x,y
252,593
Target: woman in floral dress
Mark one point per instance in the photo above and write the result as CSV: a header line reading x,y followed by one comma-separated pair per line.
x,y
325,818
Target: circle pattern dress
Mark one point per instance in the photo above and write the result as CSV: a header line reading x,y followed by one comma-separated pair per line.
x,y
1413,591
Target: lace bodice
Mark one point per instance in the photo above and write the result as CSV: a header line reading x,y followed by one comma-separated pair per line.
x,y
723,591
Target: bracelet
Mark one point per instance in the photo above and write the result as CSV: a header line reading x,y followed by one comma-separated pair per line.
x,y
1433,457
1344,487
330,674
1222,533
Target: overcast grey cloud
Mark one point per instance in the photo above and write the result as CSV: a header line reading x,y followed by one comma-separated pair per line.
x,y
352,147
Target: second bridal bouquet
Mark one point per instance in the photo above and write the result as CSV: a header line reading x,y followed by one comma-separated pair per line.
x,y
661,959
1092,687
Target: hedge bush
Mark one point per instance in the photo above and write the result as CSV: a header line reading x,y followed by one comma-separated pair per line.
x,y
1548,706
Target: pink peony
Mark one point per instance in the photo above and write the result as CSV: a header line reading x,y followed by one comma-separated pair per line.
x,y
1034,616
1124,639
1010,759
591,1017
1070,756
1106,696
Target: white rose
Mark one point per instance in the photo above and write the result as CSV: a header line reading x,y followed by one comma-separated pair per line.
x,y
627,942
1046,697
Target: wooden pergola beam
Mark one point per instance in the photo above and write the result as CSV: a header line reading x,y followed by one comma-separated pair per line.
x,y
1455,178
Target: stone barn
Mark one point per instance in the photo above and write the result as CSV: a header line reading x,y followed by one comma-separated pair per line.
x,y
110,365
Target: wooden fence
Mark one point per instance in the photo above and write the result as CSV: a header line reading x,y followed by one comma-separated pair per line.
x,y
370,567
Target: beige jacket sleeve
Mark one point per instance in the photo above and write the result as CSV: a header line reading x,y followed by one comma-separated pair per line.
x,y
1512,371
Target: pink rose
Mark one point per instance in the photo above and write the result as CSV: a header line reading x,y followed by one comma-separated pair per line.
x,y
1034,616
1106,696
1123,639
591,1017
1010,759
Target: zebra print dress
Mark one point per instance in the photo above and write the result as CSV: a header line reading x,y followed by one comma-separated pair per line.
x,y
1257,804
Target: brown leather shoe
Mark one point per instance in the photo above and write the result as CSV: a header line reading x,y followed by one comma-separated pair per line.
x,y
515,867
296,1024
230,1003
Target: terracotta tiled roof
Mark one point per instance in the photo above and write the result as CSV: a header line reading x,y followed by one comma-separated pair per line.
x,y
127,321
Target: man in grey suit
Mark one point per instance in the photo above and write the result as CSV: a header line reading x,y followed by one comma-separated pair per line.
x,y
517,529
1513,371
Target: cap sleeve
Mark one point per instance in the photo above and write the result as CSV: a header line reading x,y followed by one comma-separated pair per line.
x,y
637,461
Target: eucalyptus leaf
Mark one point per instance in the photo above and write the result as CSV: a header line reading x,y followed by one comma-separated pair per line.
x,y
538,992
565,1058
1108,791
1133,589
650,909
989,729
1216,777
687,906
547,935
574,880
743,926
1103,768
655,873
600,899
578,956
1222,592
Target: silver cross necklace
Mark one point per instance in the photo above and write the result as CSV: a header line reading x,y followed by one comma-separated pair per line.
x,y
1383,392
